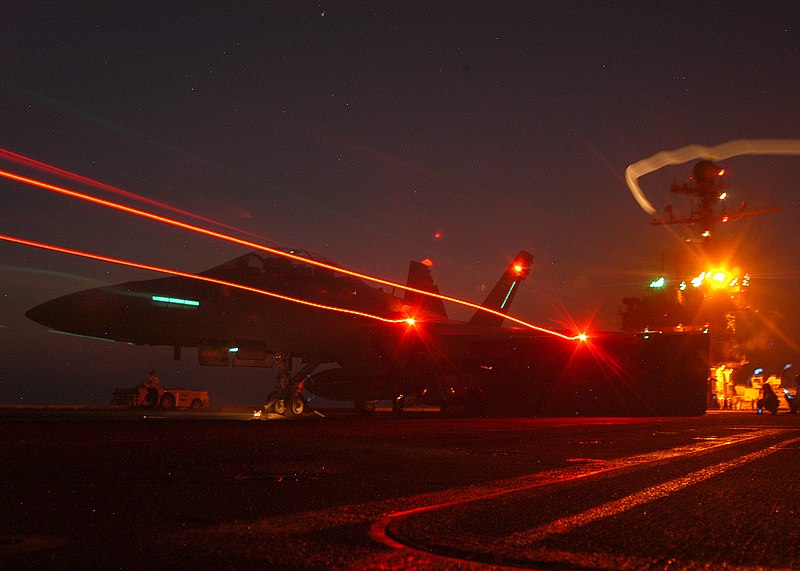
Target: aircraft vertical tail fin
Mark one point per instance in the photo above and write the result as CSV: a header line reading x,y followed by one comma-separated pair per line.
x,y
419,277
501,296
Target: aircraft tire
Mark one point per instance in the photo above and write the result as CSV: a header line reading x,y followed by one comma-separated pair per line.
x,y
167,401
273,404
297,406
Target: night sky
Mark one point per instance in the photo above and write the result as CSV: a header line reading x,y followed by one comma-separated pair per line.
x,y
361,131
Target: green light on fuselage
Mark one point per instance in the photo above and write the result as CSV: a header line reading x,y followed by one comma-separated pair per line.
x,y
175,301
660,282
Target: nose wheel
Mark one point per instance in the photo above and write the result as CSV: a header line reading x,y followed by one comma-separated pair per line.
x,y
287,400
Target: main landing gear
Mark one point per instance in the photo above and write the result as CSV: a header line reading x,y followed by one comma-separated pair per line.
x,y
287,400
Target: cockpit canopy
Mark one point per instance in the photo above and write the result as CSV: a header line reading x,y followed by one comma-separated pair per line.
x,y
263,262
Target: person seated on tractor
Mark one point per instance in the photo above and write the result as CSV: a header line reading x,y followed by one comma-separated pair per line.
x,y
152,383
770,400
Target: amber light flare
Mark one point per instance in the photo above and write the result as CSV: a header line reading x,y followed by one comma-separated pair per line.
x,y
204,231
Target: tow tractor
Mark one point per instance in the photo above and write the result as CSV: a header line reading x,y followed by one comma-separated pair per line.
x,y
167,399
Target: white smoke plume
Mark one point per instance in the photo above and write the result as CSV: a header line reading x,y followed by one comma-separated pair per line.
x,y
691,152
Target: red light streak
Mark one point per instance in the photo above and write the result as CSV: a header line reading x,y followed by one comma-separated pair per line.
x,y
204,231
130,264
26,161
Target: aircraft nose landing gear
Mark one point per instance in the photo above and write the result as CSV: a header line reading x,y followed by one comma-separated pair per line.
x,y
287,400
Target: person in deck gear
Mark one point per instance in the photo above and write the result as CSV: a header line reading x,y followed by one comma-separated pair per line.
x,y
770,400
152,383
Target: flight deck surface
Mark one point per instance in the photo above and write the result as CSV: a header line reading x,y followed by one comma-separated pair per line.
x,y
119,489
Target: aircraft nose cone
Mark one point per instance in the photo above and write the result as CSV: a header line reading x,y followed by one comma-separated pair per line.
x,y
83,313
44,314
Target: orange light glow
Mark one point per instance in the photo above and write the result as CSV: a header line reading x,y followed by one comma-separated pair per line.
x,y
411,321
582,337
204,231
26,161
427,262
198,277
518,268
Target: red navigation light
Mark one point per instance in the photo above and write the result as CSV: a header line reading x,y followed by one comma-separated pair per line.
x,y
427,262
522,267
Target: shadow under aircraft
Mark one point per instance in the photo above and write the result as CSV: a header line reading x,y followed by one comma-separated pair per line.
x,y
262,309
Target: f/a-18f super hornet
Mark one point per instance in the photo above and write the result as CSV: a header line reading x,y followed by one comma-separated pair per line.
x,y
263,308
